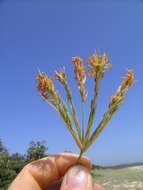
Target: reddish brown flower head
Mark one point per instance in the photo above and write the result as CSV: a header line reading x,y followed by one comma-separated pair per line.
x,y
80,75
98,64
45,84
115,100
60,75
79,69
129,79
46,87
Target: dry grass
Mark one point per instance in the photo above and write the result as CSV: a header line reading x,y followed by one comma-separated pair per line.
x,y
130,178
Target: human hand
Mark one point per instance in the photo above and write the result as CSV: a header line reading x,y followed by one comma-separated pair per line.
x,y
46,173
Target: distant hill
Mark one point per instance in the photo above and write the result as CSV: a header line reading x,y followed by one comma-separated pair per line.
x,y
117,166
97,167
127,165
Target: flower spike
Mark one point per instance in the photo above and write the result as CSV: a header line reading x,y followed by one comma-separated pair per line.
x,y
80,76
98,66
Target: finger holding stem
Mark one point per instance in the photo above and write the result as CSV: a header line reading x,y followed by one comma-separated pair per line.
x,y
78,160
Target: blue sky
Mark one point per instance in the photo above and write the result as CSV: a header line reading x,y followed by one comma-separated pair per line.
x,y
46,34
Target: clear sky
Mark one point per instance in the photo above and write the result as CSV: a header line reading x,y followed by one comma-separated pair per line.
x,y
46,34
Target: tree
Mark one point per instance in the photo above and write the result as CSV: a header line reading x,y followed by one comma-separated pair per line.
x,y
11,164
6,175
3,155
3,150
36,150
16,162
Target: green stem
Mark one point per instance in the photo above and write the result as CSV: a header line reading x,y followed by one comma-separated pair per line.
x,y
69,126
82,121
78,160
93,109
107,116
69,96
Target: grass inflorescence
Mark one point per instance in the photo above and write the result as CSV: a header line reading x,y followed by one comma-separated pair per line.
x,y
98,65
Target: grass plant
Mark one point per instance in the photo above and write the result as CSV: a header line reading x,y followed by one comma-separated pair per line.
x,y
98,65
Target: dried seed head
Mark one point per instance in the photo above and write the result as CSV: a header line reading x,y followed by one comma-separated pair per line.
x,y
46,88
79,70
80,76
117,99
129,79
98,64
60,75
45,84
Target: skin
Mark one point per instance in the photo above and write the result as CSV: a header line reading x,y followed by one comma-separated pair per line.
x,y
46,173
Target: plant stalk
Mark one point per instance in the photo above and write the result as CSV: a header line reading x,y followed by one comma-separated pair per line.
x,y
69,96
71,129
82,121
107,116
93,110
78,160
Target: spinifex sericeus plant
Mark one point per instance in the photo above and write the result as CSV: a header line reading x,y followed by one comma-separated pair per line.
x,y
98,65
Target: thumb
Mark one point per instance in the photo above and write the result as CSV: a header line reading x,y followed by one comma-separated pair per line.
x,y
77,178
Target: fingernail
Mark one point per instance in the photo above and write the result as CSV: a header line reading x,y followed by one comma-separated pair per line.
x,y
78,177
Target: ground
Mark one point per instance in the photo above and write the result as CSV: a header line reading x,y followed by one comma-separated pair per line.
x,y
129,178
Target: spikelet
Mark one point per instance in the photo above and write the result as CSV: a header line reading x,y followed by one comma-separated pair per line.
x,y
60,75
118,98
98,64
80,76
46,88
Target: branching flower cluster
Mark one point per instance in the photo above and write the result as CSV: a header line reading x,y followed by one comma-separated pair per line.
x,y
98,65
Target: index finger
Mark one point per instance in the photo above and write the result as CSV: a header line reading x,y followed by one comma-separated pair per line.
x,y
41,173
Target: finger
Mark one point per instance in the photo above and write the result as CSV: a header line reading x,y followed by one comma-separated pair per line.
x,y
41,173
97,187
57,185
77,178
